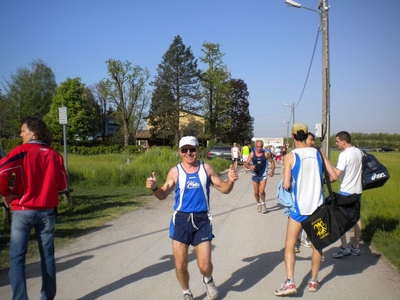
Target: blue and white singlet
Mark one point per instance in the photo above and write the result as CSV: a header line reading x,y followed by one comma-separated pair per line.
x,y
307,182
192,191
261,164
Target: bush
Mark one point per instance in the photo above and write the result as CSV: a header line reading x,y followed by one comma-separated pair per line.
x,y
8,144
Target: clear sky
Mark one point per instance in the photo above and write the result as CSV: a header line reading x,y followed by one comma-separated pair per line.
x,y
266,43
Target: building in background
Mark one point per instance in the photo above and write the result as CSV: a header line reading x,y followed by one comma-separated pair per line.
x,y
186,121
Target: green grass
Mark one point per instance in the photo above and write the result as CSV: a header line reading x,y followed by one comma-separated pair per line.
x,y
380,210
104,188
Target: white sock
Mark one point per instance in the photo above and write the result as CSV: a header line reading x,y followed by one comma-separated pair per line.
x,y
187,292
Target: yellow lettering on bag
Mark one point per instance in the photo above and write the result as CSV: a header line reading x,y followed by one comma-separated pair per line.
x,y
321,228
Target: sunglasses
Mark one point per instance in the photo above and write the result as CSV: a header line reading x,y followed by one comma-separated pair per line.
x,y
191,150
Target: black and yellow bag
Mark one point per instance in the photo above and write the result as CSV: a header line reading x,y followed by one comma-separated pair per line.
x,y
332,219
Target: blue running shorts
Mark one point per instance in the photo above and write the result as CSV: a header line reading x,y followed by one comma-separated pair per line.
x,y
258,178
191,228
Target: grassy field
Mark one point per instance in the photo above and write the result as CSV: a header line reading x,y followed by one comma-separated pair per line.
x,y
107,186
380,209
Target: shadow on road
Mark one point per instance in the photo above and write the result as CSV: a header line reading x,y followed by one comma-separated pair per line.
x,y
166,265
246,277
349,265
33,270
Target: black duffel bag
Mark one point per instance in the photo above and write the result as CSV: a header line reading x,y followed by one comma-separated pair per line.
x,y
332,219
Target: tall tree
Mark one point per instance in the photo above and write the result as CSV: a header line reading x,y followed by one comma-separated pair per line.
x,y
176,91
94,114
128,93
163,115
101,93
30,91
216,87
239,124
193,127
81,111
5,113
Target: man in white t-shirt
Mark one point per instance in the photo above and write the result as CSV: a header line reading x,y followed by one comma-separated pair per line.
x,y
235,155
349,166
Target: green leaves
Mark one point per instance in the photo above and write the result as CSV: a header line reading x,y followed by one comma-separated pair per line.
x,y
176,92
81,111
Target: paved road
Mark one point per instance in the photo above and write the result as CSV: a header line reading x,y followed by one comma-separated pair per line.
x,y
131,257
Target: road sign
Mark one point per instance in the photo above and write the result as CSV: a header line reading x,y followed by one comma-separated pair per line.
x,y
62,115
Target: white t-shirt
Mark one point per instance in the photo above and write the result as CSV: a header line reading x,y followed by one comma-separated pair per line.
x,y
235,152
350,163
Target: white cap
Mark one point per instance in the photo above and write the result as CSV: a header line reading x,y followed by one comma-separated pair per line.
x,y
188,140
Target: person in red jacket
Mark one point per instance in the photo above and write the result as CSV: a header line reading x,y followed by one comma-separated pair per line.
x,y
39,174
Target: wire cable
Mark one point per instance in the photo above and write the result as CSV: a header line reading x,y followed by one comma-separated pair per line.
x,y
309,68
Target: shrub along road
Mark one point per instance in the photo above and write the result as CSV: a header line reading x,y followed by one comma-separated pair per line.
x,y
131,257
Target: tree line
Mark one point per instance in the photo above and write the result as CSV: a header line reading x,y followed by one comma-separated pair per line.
x,y
179,90
368,140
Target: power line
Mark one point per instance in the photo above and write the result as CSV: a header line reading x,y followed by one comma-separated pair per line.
x,y
309,68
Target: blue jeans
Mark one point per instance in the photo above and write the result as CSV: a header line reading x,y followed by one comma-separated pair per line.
x,y
22,223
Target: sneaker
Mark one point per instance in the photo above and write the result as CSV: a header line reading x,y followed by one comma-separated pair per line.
x,y
212,291
297,247
259,208
342,252
355,251
313,285
188,296
286,288
306,243
263,208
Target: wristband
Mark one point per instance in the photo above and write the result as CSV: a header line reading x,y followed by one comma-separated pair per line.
x,y
155,189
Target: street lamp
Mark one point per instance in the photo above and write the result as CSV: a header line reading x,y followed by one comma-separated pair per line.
x,y
323,14
287,132
292,109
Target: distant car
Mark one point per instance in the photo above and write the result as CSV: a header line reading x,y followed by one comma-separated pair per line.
x,y
222,152
386,149
368,149
219,151
2,154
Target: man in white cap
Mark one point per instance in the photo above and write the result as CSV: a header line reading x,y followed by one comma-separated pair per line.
x,y
191,220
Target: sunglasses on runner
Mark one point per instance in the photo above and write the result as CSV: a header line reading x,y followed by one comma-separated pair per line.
x,y
191,150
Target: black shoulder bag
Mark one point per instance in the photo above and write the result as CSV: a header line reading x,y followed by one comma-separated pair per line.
x,y
332,219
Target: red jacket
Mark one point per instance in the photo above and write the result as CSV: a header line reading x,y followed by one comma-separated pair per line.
x,y
39,175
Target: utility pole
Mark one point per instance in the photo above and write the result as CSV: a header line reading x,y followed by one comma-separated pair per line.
x,y
326,86
323,8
